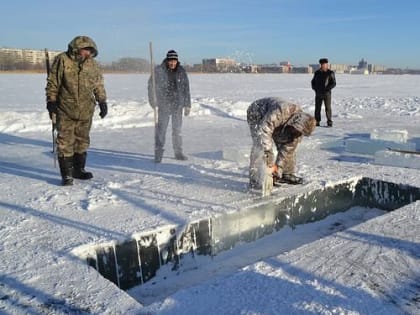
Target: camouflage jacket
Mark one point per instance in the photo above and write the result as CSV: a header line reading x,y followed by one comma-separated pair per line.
x,y
76,85
269,116
172,88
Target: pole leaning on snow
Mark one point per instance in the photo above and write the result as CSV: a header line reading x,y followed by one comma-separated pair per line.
x,y
53,116
152,75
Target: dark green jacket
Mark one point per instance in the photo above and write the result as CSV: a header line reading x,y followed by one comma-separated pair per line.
x,y
75,84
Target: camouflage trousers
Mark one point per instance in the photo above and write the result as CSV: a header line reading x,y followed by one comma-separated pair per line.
x,y
73,135
286,152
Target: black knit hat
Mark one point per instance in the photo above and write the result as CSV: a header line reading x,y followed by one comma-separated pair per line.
x,y
172,55
323,60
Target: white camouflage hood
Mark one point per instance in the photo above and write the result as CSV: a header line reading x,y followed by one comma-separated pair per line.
x,y
302,122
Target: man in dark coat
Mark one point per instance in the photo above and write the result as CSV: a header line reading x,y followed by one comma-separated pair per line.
x,y
172,100
271,120
322,83
74,86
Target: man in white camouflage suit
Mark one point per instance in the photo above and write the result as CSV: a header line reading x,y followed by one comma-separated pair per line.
x,y
275,120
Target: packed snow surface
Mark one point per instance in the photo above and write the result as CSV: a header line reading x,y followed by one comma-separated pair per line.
x,y
370,267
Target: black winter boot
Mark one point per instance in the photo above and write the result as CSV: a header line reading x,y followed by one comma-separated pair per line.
x,y
180,156
79,162
290,179
158,155
66,170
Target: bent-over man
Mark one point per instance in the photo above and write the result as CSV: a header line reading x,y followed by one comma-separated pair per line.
x,y
273,120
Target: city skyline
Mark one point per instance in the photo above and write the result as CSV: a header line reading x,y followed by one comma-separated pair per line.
x,y
299,31
37,56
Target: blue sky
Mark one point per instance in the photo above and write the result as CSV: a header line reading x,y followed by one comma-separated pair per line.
x,y
383,32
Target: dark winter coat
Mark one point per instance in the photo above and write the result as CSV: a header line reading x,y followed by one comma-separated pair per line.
x,y
172,88
76,85
323,82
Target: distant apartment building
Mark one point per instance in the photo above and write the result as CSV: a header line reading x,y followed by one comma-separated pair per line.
x,y
198,67
285,66
314,66
271,68
14,58
274,68
219,65
250,68
339,68
363,71
376,68
307,69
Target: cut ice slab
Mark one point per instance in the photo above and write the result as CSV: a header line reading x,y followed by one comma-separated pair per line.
x,y
398,159
395,135
370,147
237,154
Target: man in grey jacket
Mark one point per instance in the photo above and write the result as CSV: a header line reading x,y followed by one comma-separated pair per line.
x,y
271,120
172,99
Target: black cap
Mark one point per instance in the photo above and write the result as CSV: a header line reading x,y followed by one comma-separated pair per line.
x,y
172,55
323,60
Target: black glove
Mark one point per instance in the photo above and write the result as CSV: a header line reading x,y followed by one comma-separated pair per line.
x,y
103,109
269,158
187,111
52,108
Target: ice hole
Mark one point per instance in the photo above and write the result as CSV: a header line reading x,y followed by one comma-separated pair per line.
x,y
156,264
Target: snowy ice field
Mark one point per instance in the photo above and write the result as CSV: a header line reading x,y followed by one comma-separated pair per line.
x,y
370,265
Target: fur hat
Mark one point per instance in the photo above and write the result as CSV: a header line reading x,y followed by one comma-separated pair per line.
x,y
172,55
323,60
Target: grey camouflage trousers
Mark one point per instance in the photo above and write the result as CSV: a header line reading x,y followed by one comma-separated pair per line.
x,y
286,151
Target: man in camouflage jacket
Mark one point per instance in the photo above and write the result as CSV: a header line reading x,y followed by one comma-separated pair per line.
x,y
275,120
172,99
74,85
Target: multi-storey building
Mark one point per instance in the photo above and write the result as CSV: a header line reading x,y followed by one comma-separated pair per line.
x,y
14,58
219,65
376,68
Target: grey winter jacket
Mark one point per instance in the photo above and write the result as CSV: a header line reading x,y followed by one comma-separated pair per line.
x,y
172,88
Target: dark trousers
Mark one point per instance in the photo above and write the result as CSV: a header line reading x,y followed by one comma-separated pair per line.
x,y
163,121
318,104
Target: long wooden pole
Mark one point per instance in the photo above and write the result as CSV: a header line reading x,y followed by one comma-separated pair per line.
x,y
53,116
152,73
